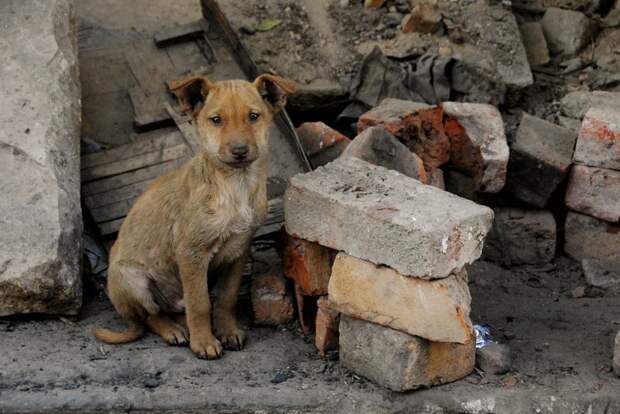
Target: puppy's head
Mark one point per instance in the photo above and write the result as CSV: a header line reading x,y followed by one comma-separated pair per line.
x,y
233,117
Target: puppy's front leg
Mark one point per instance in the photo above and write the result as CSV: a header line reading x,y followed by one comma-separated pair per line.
x,y
224,312
198,307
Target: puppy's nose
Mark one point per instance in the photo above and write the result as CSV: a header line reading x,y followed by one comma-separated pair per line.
x,y
240,151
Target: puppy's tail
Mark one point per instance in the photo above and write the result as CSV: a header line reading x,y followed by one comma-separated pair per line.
x,y
134,331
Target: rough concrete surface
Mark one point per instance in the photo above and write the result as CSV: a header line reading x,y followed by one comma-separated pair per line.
x,y
386,218
50,366
587,237
41,218
594,191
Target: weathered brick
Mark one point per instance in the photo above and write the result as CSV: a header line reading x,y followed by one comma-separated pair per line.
x,y
595,192
308,264
374,4
478,144
598,144
435,310
385,217
326,326
321,143
379,147
535,43
520,236
271,301
567,31
418,126
539,160
399,361
494,359
602,273
424,18
576,104
588,237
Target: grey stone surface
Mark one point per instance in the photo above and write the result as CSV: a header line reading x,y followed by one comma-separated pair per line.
x,y
603,274
40,241
540,157
616,361
385,217
535,43
379,147
598,144
590,238
482,150
576,104
567,31
399,361
521,236
595,192
494,359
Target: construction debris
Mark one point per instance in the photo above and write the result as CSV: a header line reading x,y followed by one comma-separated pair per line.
x,y
594,191
567,31
588,237
494,358
598,144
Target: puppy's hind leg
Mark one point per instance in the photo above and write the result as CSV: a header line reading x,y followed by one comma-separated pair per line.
x,y
130,293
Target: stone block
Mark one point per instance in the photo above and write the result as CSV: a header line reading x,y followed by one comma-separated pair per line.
x,y
616,361
321,143
478,143
604,274
308,264
385,217
540,157
379,147
326,326
535,43
590,238
598,144
494,359
595,192
399,361
521,236
435,310
576,104
567,31
40,117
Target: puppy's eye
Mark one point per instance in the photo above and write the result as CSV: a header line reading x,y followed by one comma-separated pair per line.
x,y
216,120
254,116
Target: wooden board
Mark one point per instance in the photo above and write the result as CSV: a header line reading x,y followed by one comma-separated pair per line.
x,y
178,34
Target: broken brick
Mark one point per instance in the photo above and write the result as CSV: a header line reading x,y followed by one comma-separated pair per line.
x,y
435,178
308,264
326,326
399,361
567,31
424,18
595,192
535,43
271,301
418,126
478,143
321,143
588,237
598,144
379,147
539,160
435,310
373,4
306,310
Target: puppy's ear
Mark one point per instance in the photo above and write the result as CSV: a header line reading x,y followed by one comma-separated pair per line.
x,y
274,90
191,92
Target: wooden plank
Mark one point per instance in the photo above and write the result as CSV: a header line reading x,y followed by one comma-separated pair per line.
x,y
275,218
178,34
188,60
148,109
156,140
112,211
186,126
122,180
137,162
110,227
119,194
150,66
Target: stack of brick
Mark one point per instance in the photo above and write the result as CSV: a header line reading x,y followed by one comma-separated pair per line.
x,y
593,195
397,300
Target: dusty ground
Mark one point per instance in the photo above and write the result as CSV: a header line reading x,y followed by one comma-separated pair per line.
x,y
561,346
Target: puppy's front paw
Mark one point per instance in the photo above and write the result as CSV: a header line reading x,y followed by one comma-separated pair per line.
x,y
233,340
209,348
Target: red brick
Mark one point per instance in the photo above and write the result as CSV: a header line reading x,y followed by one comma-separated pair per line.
x,y
424,18
321,143
326,326
598,144
308,264
595,192
374,4
306,310
271,301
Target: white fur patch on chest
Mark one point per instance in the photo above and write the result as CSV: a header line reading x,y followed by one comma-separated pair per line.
x,y
236,208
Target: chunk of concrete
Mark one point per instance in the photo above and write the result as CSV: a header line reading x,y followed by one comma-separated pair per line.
x,y
590,238
576,104
308,264
598,144
478,143
321,143
606,50
567,31
399,361
326,326
535,43
616,361
521,236
40,159
379,147
604,274
385,217
435,310
539,160
494,359
595,192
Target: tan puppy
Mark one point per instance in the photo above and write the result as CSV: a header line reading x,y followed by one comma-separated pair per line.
x,y
198,219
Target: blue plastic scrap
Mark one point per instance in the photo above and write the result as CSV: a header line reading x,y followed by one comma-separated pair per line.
x,y
483,336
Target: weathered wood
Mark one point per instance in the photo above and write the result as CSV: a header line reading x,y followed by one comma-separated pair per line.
x,y
188,60
150,66
148,108
275,218
137,162
110,197
112,211
186,126
110,227
179,34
